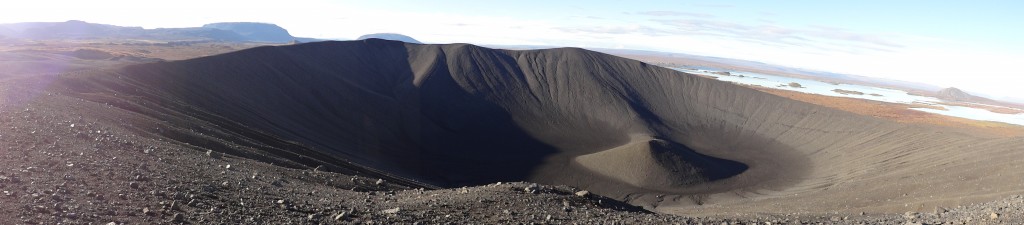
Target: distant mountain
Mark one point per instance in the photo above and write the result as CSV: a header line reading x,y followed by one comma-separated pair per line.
x,y
954,94
1013,100
957,95
75,29
5,32
261,32
390,36
72,29
190,33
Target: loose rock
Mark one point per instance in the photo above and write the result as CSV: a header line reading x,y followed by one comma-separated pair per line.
x,y
341,216
391,211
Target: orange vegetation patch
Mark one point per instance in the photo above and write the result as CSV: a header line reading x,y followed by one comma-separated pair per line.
x,y
900,113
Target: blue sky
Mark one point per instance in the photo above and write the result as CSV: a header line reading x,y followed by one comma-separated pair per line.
x,y
974,45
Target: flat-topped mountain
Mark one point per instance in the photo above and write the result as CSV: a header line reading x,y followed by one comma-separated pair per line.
x,y
390,36
261,32
75,29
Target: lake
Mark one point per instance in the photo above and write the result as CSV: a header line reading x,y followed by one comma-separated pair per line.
x,y
857,91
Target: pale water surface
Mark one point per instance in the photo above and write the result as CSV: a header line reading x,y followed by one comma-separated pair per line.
x,y
870,93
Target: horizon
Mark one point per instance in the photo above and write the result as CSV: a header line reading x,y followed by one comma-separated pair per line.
x,y
969,45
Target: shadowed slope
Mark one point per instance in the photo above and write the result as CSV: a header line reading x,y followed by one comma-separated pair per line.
x,y
460,114
450,115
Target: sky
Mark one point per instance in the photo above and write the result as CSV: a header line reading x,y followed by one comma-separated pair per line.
x,y
972,45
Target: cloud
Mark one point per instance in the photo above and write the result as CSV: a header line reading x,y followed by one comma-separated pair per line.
x,y
821,38
843,34
674,13
636,29
711,5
